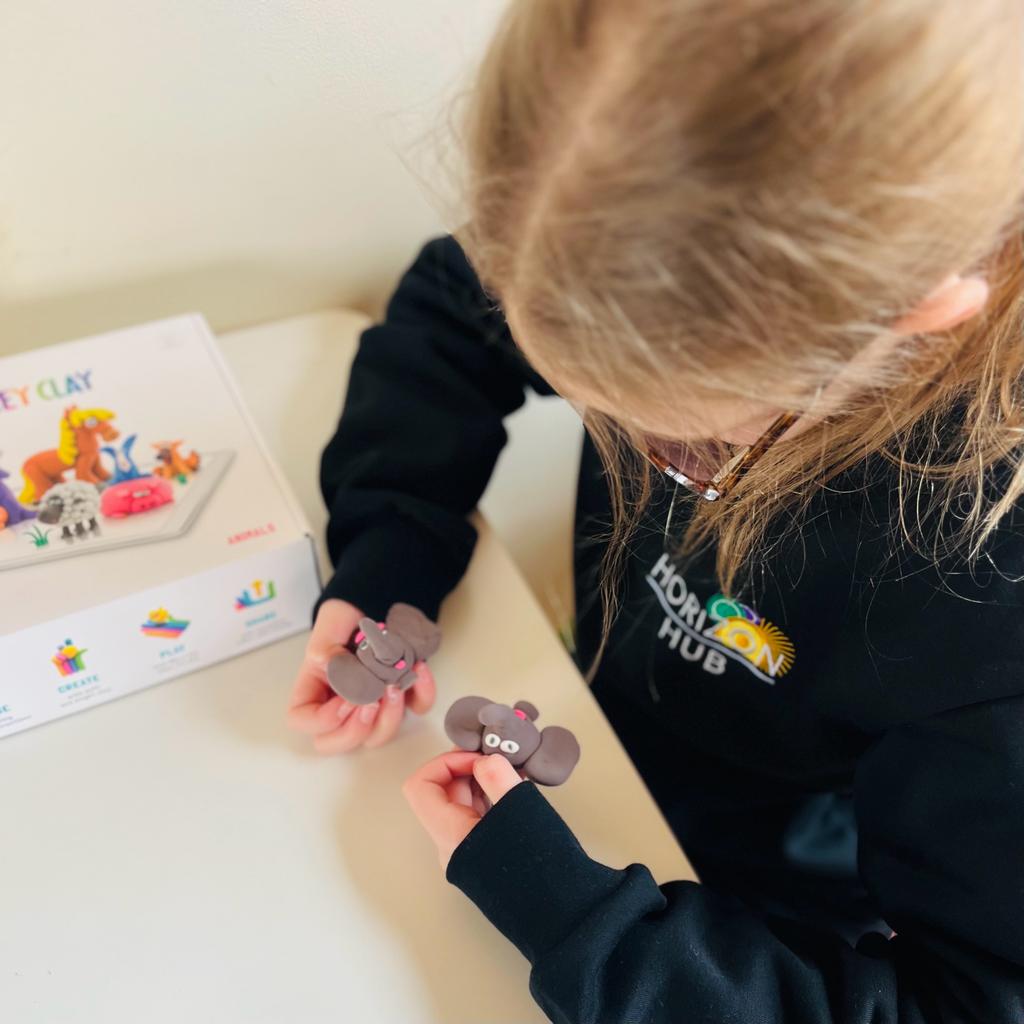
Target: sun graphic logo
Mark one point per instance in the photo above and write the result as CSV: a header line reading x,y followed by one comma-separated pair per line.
x,y
747,633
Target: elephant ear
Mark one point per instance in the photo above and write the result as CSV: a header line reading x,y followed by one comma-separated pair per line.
x,y
348,677
527,709
422,635
553,761
462,722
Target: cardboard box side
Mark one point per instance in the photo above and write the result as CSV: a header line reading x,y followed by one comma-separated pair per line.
x,y
107,651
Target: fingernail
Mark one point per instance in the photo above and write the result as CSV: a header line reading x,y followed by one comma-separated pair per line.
x,y
343,709
394,694
368,713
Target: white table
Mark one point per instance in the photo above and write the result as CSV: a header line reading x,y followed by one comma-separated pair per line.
x,y
179,856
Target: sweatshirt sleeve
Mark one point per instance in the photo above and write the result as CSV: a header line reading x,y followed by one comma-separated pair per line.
x,y
419,435
940,808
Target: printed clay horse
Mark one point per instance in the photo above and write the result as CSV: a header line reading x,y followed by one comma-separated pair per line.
x,y
79,448
172,463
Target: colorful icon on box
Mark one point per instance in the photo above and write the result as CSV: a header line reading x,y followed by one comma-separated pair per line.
x,y
262,592
162,624
68,658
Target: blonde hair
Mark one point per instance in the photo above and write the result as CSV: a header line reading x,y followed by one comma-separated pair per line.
x,y
684,199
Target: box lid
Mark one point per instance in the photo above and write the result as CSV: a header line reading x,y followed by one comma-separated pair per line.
x,y
199,487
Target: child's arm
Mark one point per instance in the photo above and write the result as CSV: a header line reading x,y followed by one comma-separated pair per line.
x,y
419,435
940,806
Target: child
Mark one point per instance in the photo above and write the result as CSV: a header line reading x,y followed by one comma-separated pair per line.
x,y
773,250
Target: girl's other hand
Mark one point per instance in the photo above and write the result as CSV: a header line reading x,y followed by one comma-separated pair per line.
x,y
335,725
442,796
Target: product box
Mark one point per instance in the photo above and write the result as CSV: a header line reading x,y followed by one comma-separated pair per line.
x,y
144,530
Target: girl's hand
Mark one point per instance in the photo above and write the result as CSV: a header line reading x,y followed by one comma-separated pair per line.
x,y
335,725
442,796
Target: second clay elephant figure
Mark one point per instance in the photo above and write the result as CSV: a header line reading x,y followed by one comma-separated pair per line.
x,y
384,655
546,756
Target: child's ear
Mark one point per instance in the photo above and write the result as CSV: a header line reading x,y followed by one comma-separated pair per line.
x,y
955,301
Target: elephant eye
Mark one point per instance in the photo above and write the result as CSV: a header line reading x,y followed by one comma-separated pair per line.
x,y
491,740
510,746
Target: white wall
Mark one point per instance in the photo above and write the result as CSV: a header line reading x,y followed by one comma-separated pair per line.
x,y
242,157
249,159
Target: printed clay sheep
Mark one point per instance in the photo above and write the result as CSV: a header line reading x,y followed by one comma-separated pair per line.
x,y
72,504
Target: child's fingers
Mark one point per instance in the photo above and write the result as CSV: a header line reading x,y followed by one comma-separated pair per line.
x,y
421,695
447,824
346,711
442,770
312,707
496,776
389,720
434,794
460,790
332,716
427,790
479,801
336,621
352,734
310,686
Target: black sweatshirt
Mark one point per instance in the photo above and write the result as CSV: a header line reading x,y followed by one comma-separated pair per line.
x,y
857,672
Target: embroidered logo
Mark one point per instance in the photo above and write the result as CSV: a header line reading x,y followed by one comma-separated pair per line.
x,y
751,635
719,629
